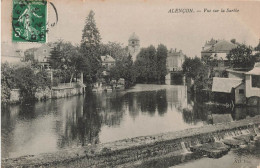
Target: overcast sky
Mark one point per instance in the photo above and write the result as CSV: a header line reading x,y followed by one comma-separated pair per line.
x,y
150,20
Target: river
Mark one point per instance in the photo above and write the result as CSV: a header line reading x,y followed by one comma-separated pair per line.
x,y
51,125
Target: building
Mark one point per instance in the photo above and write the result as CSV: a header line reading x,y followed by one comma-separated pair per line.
x,y
218,50
252,83
229,89
175,60
11,53
107,63
42,55
133,46
252,79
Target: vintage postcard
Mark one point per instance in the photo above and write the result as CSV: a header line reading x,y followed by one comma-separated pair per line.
x,y
133,83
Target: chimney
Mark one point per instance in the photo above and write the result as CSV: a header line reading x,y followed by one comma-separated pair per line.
x,y
202,48
175,49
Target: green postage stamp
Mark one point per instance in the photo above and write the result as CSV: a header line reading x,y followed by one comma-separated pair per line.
x,y
29,21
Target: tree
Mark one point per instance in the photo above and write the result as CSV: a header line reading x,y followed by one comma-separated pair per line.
x,y
161,62
146,65
7,82
124,69
241,57
89,48
67,58
196,70
28,82
114,49
191,67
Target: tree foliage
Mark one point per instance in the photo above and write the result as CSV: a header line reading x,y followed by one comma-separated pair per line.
x,y
24,78
114,49
89,47
150,64
241,57
124,68
68,59
198,71
161,62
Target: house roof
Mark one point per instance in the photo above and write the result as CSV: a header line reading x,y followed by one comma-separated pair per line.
x,y
134,37
107,58
174,53
225,85
211,42
221,46
239,72
255,70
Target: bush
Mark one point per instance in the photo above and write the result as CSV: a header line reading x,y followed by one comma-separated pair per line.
x,y
24,78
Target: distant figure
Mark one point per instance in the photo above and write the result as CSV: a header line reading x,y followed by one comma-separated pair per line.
x,y
26,19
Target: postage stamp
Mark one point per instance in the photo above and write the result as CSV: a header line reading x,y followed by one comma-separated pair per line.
x,y
29,21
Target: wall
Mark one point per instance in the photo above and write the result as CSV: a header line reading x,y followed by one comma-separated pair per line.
x,y
250,92
236,75
65,92
240,98
49,93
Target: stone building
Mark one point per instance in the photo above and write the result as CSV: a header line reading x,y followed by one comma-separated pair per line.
x,y
42,55
133,46
175,60
218,50
107,63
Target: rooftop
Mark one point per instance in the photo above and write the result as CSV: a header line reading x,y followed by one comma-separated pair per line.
x,y
174,53
221,46
107,58
134,37
225,85
255,70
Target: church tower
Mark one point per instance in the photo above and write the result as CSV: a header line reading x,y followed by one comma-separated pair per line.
x,y
133,45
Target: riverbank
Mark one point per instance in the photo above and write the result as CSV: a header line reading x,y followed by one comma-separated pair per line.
x,y
138,149
62,91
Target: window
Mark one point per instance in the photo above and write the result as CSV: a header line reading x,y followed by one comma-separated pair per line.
x,y
133,42
241,91
44,50
256,81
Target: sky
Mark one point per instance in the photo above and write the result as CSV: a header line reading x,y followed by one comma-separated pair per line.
x,y
151,21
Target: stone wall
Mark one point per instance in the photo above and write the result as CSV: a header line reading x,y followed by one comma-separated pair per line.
x,y
66,92
135,151
45,94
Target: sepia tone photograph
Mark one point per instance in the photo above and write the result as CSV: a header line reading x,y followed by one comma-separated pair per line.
x,y
133,83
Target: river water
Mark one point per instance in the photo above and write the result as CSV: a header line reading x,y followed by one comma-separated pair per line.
x,y
103,117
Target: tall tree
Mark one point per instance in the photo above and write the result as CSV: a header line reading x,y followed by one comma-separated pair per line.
x,y
89,47
161,62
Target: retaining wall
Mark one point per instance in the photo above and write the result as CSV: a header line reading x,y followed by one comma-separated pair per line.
x,y
54,93
139,149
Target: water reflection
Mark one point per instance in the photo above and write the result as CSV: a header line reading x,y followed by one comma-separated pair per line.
x,y
103,117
